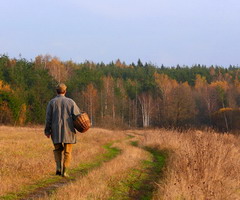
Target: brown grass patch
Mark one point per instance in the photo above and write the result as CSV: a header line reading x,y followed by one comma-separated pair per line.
x,y
26,154
202,165
97,185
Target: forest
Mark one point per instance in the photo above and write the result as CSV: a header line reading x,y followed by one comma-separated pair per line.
x,y
122,95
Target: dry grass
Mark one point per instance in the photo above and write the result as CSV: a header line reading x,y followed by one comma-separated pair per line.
x,y
26,154
202,165
97,185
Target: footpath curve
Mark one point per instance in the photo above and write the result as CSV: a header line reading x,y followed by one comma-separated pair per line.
x,y
51,184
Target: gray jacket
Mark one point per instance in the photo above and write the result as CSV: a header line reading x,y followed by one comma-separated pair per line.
x,y
59,119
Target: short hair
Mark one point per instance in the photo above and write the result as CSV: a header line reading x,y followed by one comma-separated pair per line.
x,y
61,88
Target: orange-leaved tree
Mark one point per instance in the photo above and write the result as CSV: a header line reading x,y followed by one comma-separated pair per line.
x,y
221,88
6,115
90,97
165,85
182,107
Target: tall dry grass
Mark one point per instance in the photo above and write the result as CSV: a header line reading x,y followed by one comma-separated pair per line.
x,y
98,184
26,154
201,165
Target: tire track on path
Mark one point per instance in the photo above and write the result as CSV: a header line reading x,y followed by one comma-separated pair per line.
x,y
141,183
99,182
50,185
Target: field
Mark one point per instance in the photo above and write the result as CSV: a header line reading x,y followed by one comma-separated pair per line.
x,y
131,164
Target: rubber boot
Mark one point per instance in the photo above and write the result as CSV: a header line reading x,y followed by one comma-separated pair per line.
x,y
67,159
64,173
58,168
58,160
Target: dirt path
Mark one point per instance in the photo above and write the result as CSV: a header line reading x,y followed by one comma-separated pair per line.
x,y
140,184
48,186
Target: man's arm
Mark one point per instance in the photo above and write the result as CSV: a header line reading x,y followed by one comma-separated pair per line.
x,y
76,111
48,123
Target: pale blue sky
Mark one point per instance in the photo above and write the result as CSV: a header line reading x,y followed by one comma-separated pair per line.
x,y
165,32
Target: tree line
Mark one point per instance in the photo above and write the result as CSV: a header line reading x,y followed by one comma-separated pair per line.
x,y
121,95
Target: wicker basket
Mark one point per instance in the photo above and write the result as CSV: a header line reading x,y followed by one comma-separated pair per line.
x,y
82,122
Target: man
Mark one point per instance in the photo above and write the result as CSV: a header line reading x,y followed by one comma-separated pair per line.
x,y
59,125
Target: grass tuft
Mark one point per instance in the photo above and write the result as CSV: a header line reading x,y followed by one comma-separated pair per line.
x,y
81,170
134,143
140,182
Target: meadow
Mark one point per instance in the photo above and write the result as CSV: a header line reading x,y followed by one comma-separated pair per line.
x,y
130,164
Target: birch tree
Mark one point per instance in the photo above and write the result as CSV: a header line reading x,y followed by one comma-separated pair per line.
x,y
221,88
147,106
90,96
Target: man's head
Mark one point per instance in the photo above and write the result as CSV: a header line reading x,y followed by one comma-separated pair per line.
x,y
61,88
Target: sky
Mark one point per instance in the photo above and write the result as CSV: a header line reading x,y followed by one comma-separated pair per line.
x,y
168,32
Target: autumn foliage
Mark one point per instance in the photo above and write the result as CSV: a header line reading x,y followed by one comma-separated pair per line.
x,y
121,95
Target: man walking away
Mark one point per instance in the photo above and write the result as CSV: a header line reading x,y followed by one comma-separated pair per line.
x,y
59,125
